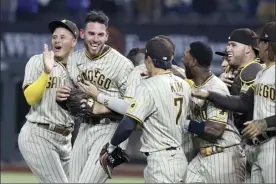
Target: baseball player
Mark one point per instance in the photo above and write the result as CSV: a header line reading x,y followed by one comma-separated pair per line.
x,y
105,67
261,97
220,158
160,104
45,139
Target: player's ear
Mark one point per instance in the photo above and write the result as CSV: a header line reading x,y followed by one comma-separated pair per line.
x,y
193,62
248,49
82,33
74,42
107,35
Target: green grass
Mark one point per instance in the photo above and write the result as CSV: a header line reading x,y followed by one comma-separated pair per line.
x,y
9,177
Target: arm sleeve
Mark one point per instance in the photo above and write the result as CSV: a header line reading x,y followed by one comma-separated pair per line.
x,y
215,114
34,92
116,104
124,130
242,103
33,69
141,106
271,121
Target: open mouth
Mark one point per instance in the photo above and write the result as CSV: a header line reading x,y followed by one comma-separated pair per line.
x,y
94,46
57,48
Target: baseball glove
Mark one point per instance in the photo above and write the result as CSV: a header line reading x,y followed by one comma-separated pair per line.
x,y
113,159
79,104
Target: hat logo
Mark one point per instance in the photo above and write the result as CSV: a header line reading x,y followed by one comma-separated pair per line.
x,y
229,38
164,58
64,21
266,35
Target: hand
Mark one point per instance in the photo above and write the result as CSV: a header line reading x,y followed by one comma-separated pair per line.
x,y
89,88
200,93
63,93
48,59
227,78
254,128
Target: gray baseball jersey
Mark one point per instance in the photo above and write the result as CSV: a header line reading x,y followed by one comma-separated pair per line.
x,y
46,152
225,167
264,106
109,72
160,104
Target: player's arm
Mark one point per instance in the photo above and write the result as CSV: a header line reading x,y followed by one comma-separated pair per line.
x,y
242,103
35,80
271,121
139,109
214,125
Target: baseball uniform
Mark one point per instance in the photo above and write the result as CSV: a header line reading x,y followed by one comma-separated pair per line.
x,y
160,104
46,152
109,73
224,167
263,158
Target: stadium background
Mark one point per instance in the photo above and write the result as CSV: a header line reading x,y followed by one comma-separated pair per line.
x,y
132,22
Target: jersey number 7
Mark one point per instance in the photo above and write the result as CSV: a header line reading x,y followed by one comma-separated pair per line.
x,y
178,102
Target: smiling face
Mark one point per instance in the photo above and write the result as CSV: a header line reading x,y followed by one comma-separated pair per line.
x,y
95,36
236,53
63,42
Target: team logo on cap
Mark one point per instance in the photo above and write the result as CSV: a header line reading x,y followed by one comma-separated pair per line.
x,y
64,21
164,58
266,35
229,38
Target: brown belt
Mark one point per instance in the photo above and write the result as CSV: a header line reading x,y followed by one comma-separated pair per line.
x,y
60,129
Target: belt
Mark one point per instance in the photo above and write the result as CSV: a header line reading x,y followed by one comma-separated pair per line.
x,y
262,138
214,149
167,149
60,129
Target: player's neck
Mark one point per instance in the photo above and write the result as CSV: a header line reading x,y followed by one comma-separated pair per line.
x,y
159,71
246,61
202,77
268,63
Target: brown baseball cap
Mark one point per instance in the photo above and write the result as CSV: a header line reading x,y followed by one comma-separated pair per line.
x,y
268,32
67,24
160,51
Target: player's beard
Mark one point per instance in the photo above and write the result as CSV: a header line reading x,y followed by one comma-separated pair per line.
x,y
93,52
188,72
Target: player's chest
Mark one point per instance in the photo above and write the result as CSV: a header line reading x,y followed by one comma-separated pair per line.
x,y
99,72
58,77
198,108
264,86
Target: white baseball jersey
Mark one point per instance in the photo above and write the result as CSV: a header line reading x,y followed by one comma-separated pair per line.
x,y
109,72
225,167
138,74
47,110
46,152
160,104
264,106
207,111
265,93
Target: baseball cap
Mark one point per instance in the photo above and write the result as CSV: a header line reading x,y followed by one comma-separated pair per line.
x,y
244,36
221,53
67,24
160,51
268,32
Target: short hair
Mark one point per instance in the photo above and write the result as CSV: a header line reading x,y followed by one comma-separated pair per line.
x,y
132,55
202,52
97,16
168,39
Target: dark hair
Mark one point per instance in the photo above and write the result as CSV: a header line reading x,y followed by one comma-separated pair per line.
x,y
97,16
202,52
168,39
133,53
271,51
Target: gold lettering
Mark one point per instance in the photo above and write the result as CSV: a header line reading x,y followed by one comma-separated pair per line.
x,y
101,80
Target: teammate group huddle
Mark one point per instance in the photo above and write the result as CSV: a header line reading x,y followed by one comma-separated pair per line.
x,y
193,130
